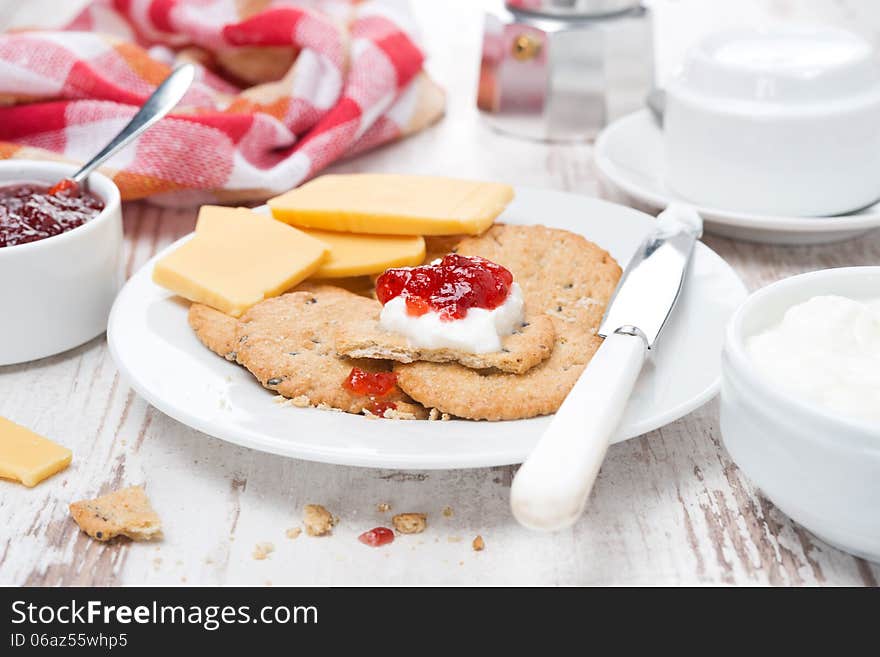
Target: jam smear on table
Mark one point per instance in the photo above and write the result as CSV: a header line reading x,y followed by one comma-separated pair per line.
x,y
377,537
448,287
31,211
373,385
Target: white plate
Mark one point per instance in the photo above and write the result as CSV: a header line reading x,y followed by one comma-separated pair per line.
x,y
161,358
629,155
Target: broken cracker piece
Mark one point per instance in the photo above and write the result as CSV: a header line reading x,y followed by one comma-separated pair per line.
x,y
410,523
478,543
293,533
125,512
528,346
318,520
383,507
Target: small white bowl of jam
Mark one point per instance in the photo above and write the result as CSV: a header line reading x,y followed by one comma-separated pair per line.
x,y
61,259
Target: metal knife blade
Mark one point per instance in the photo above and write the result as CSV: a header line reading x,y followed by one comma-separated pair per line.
x,y
651,282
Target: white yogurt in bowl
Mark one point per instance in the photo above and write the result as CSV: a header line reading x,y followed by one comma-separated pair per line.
x,y
800,396
826,351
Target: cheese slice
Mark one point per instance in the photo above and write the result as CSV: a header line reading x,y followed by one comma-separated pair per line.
x,y
349,254
27,457
393,204
242,259
361,255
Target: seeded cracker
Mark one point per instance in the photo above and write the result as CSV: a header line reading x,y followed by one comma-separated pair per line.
x,y
563,275
287,342
126,512
214,329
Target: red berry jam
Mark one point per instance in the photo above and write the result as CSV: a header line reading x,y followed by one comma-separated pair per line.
x,y
377,537
373,384
64,186
31,211
449,287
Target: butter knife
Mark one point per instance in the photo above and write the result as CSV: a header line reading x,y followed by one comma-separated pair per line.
x,y
551,488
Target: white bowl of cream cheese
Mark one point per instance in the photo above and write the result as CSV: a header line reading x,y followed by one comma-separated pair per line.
x,y
800,401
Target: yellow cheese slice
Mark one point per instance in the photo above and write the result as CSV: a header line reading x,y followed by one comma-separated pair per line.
x,y
393,204
243,259
361,255
27,457
350,254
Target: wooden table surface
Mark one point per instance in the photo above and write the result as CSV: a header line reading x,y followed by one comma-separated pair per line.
x,y
669,507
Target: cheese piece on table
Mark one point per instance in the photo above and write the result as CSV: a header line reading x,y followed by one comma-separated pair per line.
x,y
27,457
243,259
393,204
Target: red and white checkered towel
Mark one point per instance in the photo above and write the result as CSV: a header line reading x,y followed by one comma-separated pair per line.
x,y
284,89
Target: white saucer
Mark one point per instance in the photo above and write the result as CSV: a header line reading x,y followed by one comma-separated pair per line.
x,y
629,155
160,357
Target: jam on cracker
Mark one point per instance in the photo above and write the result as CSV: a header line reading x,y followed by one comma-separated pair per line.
x,y
373,385
30,211
448,287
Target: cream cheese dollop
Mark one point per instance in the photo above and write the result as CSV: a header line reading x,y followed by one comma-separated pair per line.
x,y
826,351
480,331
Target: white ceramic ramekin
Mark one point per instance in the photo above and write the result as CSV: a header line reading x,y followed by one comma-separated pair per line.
x,y
783,121
56,293
821,469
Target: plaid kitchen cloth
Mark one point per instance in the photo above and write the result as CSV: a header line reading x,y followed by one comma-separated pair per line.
x,y
283,90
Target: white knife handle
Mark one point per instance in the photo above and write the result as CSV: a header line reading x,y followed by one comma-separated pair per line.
x,y
551,488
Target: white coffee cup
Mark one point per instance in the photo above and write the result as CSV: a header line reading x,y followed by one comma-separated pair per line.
x,y
777,121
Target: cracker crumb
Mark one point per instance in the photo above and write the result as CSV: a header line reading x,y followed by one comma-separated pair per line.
x,y
263,550
293,533
383,507
448,512
479,544
410,523
299,402
394,414
454,539
434,414
318,520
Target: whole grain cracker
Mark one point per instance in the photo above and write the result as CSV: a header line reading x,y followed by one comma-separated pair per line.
x,y
214,329
562,274
288,343
125,512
